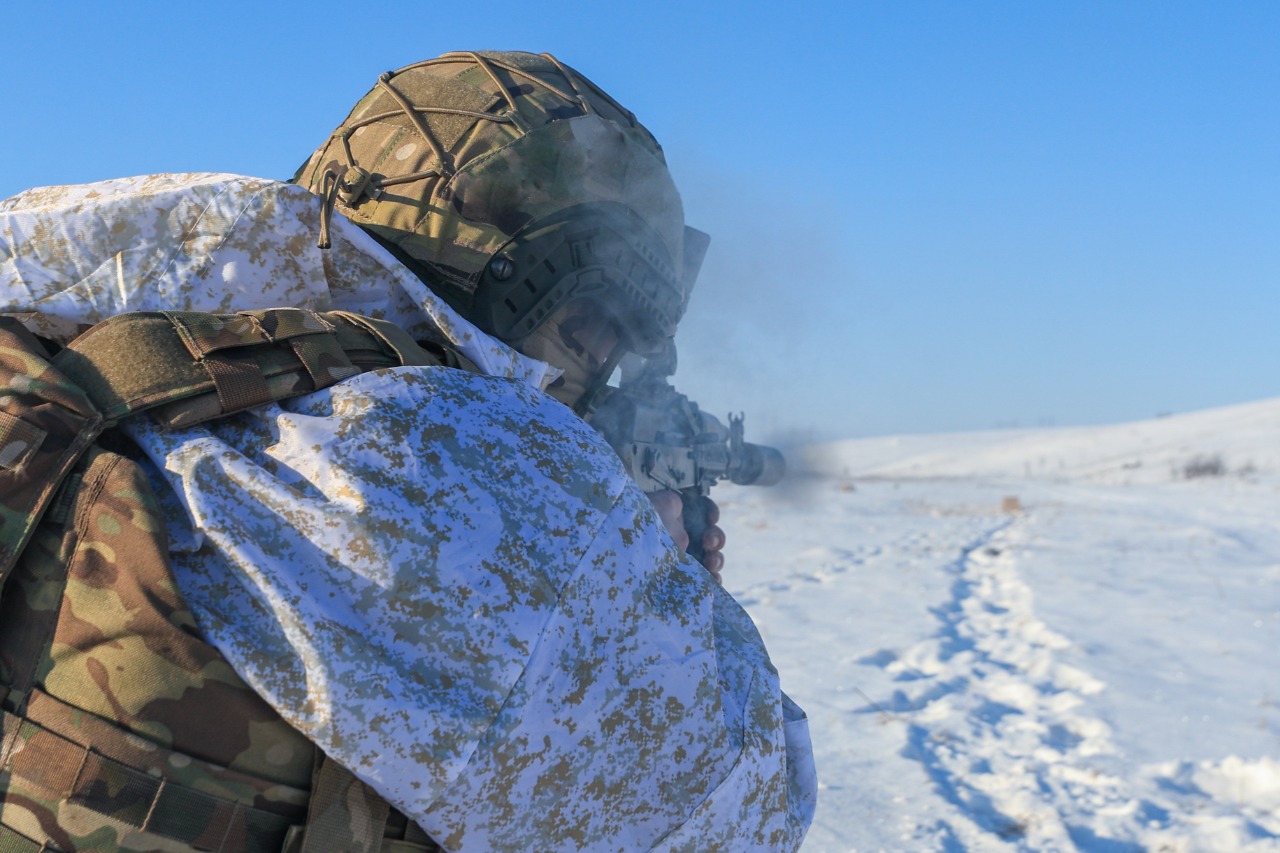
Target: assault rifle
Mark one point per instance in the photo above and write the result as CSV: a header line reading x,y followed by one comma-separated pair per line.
x,y
666,442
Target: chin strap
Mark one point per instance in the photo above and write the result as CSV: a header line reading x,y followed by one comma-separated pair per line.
x,y
591,396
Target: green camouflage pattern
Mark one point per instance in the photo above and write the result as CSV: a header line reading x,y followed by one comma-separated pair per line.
x,y
345,813
501,173
46,422
170,360
97,647
122,730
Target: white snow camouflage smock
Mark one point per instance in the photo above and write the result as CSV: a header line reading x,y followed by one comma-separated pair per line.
x,y
446,580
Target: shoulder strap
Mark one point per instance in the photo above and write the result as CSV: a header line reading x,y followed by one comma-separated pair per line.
x,y
188,367
46,423
183,367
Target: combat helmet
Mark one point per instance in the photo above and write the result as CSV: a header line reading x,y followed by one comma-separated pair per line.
x,y
512,184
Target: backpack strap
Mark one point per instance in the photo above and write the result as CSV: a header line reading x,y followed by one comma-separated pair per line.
x,y
184,367
188,367
46,424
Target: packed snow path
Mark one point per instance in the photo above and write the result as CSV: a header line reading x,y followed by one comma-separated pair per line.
x,y
1092,669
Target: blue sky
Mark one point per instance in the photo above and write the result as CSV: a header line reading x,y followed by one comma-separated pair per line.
x,y
926,216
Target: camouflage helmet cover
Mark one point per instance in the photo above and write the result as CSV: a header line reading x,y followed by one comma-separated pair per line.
x,y
447,160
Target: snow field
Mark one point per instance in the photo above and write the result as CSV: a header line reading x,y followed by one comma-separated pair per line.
x,y
1091,669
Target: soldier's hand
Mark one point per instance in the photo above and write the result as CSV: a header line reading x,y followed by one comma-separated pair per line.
x,y
670,509
713,539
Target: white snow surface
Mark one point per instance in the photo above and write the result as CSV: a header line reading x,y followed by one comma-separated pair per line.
x,y
1035,640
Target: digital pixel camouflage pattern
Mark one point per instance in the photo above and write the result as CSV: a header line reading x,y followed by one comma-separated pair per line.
x,y
548,666
444,580
73,256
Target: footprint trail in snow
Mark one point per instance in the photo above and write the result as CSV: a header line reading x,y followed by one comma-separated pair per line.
x,y
979,681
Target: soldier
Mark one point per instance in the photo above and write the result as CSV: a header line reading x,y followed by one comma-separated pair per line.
x,y
438,576
573,263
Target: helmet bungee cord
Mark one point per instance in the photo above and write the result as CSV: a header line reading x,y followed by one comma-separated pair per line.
x,y
516,188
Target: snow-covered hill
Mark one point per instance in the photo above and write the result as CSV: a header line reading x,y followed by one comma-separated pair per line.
x,y
1240,438
1035,640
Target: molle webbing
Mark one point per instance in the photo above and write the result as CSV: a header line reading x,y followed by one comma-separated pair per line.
x,y
133,785
183,367
189,367
346,814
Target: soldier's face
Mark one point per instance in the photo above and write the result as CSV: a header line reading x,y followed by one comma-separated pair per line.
x,y
588,331
580,339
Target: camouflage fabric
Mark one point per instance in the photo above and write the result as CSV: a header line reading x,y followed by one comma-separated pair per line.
x,y
97,647
186,367
523,137
121,730
344,815
73,256
449,584
40,410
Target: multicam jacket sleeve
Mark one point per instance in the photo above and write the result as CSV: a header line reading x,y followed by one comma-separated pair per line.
x,y
448,582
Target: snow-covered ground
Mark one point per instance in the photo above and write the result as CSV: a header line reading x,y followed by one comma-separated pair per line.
x,y
1036,640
